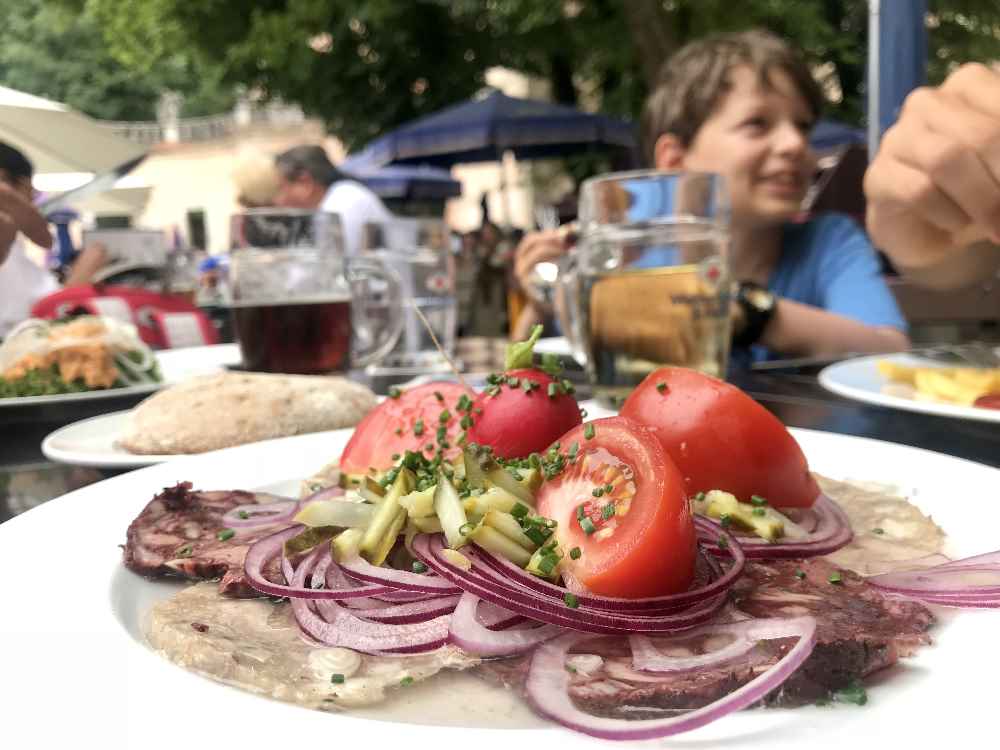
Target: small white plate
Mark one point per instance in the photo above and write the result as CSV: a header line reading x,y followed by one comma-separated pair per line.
x,y
175,365
94,442
860,380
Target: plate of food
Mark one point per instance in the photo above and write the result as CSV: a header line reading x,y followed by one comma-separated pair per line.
x,y
912,383
210,412
427,586
93,357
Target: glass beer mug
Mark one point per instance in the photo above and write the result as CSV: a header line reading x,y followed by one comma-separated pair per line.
x,y
298,304
647,283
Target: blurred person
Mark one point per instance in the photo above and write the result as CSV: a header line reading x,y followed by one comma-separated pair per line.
x,y
742,105
256,179
933,188
22,281
308,179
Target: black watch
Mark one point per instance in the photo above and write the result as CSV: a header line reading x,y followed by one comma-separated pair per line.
x,y
758,305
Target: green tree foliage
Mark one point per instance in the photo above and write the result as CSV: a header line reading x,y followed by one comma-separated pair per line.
x,y
365,66
58,52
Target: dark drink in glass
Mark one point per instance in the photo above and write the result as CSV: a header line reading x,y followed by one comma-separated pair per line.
x,y
304,337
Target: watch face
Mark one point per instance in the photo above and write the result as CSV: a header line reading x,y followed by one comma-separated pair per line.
x,y
760,299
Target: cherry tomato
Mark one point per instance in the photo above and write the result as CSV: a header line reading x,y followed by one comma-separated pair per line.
x,y
517,421
407,422
636,537
721,439
989,401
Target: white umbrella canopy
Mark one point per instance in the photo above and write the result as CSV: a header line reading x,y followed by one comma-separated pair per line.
x,y
58,139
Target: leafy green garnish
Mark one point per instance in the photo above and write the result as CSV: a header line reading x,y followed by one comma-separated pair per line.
x,y
520,353
854,693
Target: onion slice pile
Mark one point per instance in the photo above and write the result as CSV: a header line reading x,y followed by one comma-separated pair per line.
x,y
832,531
549,680
972,582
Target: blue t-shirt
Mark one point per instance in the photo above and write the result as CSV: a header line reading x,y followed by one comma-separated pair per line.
x,y
828,262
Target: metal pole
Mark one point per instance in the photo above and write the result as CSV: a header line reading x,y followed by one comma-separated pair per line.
x,y
874,117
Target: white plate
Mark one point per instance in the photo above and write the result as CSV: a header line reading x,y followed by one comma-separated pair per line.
x,y
73,667
859,379
175,365
94,442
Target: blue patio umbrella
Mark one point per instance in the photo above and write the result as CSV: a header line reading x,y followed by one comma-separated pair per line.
x,y
897,62
403,182
483,129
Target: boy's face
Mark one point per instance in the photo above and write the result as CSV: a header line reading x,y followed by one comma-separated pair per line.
x,y
758,138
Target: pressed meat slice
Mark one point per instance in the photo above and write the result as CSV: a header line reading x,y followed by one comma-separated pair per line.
x,y
177,534
859,631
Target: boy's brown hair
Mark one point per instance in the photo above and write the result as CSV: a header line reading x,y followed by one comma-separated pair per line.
x,y
694,79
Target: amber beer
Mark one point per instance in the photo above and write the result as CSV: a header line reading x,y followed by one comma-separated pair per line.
x,y
304,337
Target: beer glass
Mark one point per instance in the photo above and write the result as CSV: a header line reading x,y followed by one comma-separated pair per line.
x,y
647,283
418,250
298,305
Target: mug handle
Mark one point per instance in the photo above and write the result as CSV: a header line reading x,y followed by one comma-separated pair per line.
x,y
567,305
380,335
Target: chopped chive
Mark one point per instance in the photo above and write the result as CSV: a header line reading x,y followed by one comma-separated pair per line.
x,y
597,492
395,456
759,512
406,682
699,497
438,396
513,382
587,525
854,693
835,577
568,387
723,542
337,679
418,567
878,530
395,392
588,431
575,553
243,514
800,574
608,511
758,500
571,601
548,563
661,387
494,379
520,510
444,417
725,521
418,427
185,551
225,535
537,535
465,422
608,489
399,430
581,510
464,403
466,528
573,450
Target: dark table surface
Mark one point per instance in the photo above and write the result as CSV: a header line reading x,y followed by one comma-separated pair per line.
x,y
27,478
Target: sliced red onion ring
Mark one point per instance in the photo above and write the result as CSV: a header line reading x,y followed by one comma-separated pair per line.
x,y
972,582
832,532
272,546
362,570
467,633
260,514
646,657
404,614
508,592
548,684
336,626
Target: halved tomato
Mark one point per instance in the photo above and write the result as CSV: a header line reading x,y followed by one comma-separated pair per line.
x,y
622,504
721,439
408,422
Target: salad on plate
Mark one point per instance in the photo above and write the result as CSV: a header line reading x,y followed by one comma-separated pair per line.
x,y
631,577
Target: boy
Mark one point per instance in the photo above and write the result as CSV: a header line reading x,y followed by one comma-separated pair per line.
x,y
742,105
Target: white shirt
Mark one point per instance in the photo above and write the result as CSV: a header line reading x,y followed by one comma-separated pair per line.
x,y
355,204
22,283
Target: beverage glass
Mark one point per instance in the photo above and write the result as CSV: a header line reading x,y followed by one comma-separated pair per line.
x,y
647,283
418,250
298,305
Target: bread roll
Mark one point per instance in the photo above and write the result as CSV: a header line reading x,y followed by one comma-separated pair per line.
x,y
226,409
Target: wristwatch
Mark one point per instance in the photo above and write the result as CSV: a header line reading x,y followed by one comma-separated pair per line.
x,y
757,305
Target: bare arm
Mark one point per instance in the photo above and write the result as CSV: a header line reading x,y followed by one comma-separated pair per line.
x,y
933,189
803,330
25,216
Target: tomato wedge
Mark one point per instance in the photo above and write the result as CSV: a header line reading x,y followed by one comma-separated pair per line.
x,y
721,439
407,422
636,537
